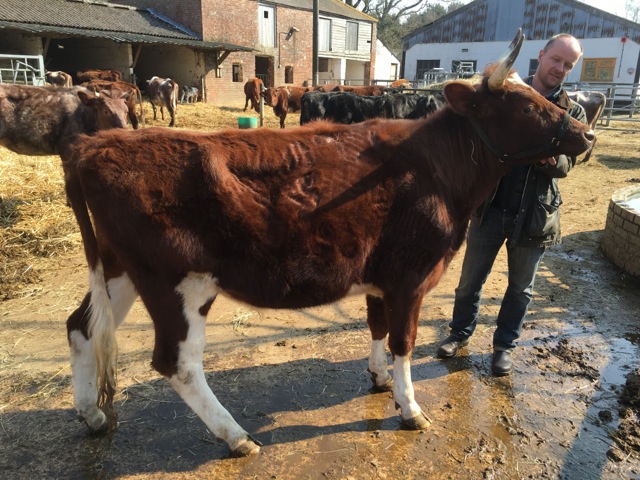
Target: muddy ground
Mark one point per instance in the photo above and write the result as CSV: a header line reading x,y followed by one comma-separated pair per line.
x,y
298,381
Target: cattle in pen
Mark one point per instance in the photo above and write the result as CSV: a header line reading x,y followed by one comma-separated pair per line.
x,y
134,96
593,104
346,107
288,219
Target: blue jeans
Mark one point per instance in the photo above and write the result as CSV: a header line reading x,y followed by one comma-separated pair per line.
x,y
483,244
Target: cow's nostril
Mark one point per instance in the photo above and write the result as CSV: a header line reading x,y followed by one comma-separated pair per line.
x,y
590,135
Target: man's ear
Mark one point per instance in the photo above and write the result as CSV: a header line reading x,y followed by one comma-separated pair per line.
x,y
461,96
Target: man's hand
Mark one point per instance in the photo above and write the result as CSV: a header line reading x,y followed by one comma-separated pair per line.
x,y
551,161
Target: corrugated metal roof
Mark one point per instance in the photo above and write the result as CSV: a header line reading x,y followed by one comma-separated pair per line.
x,y
494,20
86,18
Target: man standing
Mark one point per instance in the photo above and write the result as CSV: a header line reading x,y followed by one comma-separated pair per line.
x,y
523,212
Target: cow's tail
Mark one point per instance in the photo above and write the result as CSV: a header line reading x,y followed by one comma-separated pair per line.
x,y
101,324
174,96
139,96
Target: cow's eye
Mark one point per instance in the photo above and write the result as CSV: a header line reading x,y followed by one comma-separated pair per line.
x,y
528,110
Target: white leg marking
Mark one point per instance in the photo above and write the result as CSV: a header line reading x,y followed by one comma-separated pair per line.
x,y
378,363
85,389
122,294
403,388
190,382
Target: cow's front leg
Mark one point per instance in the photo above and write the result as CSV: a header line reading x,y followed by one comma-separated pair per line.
x,y
378,359
402,312
188,379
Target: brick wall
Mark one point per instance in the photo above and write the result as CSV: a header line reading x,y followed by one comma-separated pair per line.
x,y
621,241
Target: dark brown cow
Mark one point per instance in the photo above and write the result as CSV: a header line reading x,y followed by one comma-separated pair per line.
x,y
124,87
88,75
288,219
59,79
45,120
364,90
252,90
163,92
284,99
593,104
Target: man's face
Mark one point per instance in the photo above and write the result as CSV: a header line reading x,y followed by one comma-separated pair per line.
x,y
555,64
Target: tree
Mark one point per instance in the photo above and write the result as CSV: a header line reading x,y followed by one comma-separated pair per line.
x,y
632,10
395,19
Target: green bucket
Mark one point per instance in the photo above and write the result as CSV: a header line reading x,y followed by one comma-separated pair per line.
x,y
247,122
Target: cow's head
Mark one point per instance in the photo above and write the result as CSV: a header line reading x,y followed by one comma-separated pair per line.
x,y
512,119
109,112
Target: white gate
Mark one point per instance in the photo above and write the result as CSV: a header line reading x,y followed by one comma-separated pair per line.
x,y
22,69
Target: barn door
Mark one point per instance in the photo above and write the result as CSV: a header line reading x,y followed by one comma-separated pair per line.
x,y
267,25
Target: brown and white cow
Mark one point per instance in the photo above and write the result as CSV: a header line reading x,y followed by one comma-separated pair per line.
x,y
45,120
88,75
252,90
59,79
288,219
123,87
285,99
163,92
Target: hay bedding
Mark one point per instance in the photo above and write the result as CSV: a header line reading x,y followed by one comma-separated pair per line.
x,y
37,228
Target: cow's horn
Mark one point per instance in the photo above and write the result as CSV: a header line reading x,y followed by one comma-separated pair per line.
x,y
496,80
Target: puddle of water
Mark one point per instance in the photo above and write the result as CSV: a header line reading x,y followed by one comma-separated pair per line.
x,y
620,362
634,203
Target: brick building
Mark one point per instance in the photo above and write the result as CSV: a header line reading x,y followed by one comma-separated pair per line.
x,y
215,45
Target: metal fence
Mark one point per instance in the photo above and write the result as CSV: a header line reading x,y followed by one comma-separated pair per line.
x,y
22,69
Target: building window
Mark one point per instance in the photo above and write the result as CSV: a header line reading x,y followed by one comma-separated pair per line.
x,y
288,74
598,69
236,72
267,26
323,65
352,36
423,66
324,38
533,66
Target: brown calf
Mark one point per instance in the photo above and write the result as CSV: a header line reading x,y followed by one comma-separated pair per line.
x,y
364,90
88,75
288,219
124,87
252,91
285,99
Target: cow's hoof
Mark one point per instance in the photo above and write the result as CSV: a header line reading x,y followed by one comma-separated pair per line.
x,y
387,386
250,447
419,422
96,420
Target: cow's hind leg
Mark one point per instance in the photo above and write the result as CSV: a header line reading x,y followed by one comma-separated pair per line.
x,y
378,359
402,312
195,295
121,295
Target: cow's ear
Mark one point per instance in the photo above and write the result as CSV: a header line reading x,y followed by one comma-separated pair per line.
x,y
85,97
461,96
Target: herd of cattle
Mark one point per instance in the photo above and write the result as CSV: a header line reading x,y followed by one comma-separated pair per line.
x,y
178,217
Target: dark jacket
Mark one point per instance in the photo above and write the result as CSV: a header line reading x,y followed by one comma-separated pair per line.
x,y
537,221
